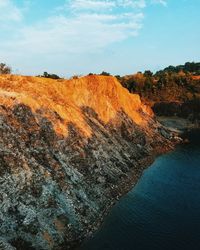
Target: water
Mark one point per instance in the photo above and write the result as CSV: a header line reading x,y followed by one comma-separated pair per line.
x,y
162,211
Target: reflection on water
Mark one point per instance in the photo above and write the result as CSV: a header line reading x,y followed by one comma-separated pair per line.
x,y
162,211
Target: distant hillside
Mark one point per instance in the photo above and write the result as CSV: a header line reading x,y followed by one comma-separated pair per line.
x,y
179,84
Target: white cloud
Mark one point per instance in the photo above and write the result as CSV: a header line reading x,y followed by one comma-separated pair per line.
x,y
81,31
133,4
9,11
162,2
108,4
91,4
78,27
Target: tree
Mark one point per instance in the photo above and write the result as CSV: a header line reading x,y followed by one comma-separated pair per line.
x,y
52,76
118,77
5,69
45,74
148,73
105,73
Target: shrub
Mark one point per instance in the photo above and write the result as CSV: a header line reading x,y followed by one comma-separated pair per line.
x,y
75,77
52,76
104,73
5,69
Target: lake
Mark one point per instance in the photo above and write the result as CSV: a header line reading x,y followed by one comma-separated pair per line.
x,y
162,211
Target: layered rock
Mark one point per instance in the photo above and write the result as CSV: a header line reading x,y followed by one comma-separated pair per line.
x,y
68,151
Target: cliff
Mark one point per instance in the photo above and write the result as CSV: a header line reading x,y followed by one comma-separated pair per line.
x,y
62,101
68,150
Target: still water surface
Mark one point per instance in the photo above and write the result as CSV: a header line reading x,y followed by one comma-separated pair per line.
x,y
162,211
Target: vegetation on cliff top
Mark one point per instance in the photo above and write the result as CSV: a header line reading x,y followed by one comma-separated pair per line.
x,y
172,91
180,83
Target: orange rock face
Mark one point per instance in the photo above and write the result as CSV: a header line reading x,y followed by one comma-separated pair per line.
x,y
62,101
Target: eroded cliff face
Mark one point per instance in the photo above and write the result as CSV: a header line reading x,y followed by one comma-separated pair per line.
x,y
68,150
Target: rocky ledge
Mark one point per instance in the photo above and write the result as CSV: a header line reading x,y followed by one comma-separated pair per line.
x,y
68,151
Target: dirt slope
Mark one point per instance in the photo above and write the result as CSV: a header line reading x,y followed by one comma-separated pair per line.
x,y
62,101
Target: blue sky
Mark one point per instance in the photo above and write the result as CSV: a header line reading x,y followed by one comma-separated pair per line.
x,y
70,37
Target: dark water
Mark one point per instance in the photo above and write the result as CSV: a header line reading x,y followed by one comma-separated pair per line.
x,y
162,211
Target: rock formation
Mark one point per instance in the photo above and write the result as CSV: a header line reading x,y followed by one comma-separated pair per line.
x,y
68,150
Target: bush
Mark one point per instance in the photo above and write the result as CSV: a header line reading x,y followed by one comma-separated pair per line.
x,y
118,77
5,69
75,77
52,76
105,73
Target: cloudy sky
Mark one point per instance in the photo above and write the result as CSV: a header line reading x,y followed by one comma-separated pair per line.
x,y
80,36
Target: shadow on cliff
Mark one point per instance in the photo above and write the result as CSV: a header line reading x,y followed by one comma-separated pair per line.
x,y
104,160
36,131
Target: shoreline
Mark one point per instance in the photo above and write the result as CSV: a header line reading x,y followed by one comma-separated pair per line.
x,y
152,199
127,185
174,136
177,127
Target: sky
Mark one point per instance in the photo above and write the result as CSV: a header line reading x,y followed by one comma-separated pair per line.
x,y
76,37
